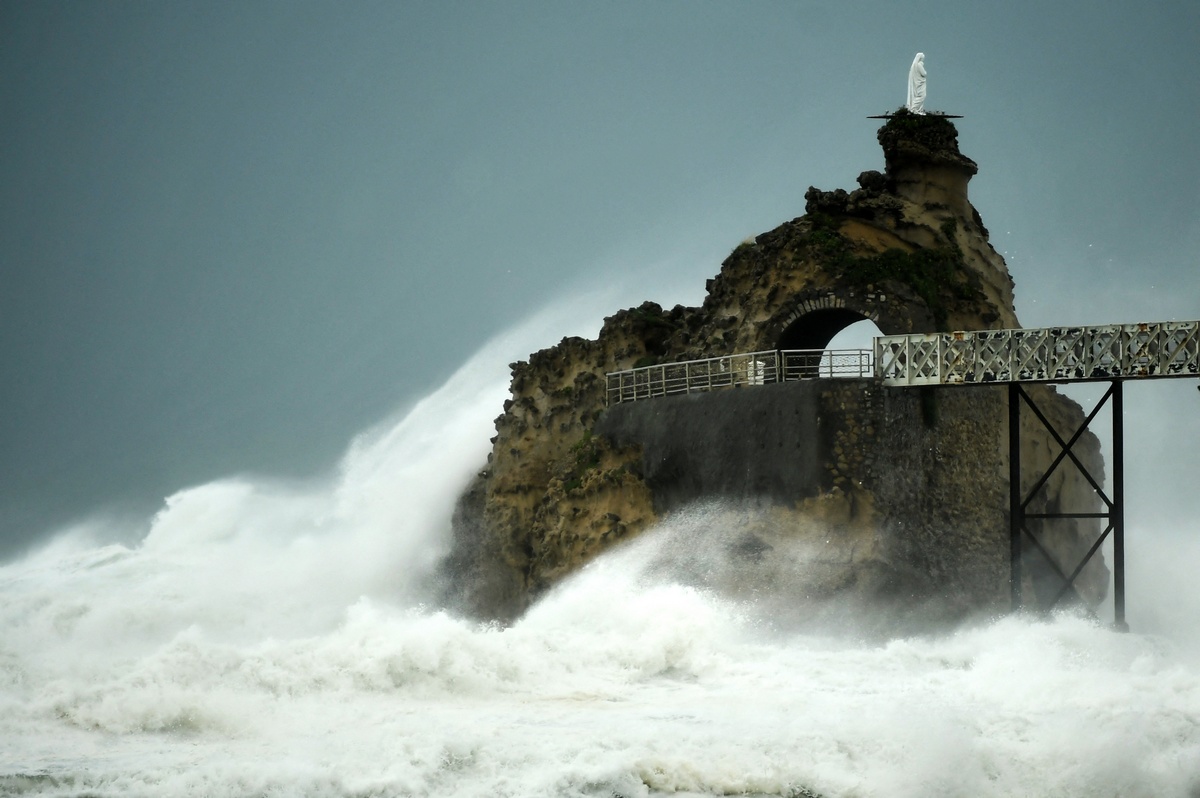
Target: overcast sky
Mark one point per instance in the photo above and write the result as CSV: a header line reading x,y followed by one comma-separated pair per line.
x,y
232,235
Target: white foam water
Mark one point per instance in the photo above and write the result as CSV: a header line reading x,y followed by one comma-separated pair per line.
x,y
267,639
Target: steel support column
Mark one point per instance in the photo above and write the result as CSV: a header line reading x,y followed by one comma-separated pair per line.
x,y
1016,511
1019,500
1118,510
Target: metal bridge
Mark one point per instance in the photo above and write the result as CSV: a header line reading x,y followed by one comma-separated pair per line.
x,y
1051,354
1113,353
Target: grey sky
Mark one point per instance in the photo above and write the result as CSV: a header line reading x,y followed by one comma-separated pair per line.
x,y
234,234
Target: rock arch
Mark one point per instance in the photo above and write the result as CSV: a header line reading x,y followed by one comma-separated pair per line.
x,y
815,330
812,322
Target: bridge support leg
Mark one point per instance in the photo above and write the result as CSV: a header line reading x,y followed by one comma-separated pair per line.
x,y
1016,512
1019,501
1118,510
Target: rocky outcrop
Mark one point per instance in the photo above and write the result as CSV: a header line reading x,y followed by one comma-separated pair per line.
x,y
889,493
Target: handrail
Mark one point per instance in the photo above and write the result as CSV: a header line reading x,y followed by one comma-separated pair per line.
x,y
1050,354
729,371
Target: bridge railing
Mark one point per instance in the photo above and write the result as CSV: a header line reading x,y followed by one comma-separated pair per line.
x,y
729,371
1050,354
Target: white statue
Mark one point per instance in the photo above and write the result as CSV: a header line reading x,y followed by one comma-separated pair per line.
x,y
916,85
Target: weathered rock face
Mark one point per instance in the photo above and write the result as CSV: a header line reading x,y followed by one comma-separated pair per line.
x,y
890,493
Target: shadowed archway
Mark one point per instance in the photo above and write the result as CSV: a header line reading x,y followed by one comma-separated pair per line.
x,y
813,335
816,329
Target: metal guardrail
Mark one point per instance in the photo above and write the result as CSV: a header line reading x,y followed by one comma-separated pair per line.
x,y
729,371
1049,354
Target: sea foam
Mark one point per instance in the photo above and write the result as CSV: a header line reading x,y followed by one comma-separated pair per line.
x,y
280,639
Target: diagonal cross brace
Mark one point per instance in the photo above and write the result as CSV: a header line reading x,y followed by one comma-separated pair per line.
x,y
1067,448
1019,501
1068,581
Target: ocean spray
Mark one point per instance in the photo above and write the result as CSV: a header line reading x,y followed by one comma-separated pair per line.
x,y
268,638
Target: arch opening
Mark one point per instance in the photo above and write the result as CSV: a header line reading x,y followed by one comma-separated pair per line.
x,y
816,329
824,336
859,335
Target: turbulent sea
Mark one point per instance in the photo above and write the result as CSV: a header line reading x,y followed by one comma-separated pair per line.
x,y
269,639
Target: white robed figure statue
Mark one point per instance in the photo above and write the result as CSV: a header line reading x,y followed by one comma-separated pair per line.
x,y
916,85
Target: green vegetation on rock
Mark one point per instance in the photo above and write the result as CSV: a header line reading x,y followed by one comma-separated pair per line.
x,y
586,457
653,316
926,130
937,275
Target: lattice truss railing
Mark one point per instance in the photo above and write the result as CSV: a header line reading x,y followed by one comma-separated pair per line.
x,y
1050,354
